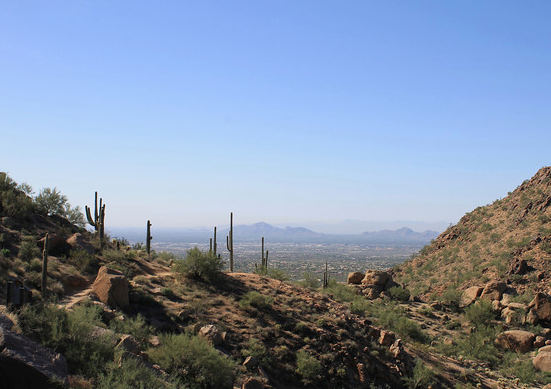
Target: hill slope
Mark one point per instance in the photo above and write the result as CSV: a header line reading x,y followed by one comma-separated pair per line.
x,y
491,243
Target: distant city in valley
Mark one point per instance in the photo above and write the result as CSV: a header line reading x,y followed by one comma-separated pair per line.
x,y
295,250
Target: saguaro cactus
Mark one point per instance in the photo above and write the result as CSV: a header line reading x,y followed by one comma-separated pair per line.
x,y
325,277
45,268
264,258
148,239
215,246
98,222
229,242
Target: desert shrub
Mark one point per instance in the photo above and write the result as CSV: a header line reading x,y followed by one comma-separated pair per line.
x,y
399,293
479,345
451,298
199,265
130,374
81,259
52,202
255,299
194,360
340,291
69,333
167,292
135,326
422,377
360,305
309,280
255,348
480,313
308,367
13,201
28,249
278,274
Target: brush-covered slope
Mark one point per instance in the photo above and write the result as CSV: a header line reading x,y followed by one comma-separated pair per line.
x,y
491,243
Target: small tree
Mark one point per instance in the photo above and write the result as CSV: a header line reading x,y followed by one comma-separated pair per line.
x,y
200,265
52,202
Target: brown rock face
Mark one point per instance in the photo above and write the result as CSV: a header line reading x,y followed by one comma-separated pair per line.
x,y
516,340
542,361
27,364
111,287
78,241
211,334
375,277
470,295
541,305
494,290
355,277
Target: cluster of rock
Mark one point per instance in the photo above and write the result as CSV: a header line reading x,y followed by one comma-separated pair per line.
x,y
500,294
372,283
537,311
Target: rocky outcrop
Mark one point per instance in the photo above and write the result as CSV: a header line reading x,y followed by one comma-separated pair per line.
x,y
376,277
355,277
111,287
493,290
79,242
27,364
516,340
541,306
211,334
376,282
542,361
470,295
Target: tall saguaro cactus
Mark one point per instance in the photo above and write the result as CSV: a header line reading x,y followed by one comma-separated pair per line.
x,y
264,257
326,277
215,245
45,268
148,239
98,222
229,242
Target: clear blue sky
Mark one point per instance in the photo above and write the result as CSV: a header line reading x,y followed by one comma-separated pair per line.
x,y
280,111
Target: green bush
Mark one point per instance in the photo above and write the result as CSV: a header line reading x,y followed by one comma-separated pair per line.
x,y
422,377
399,293
255,348
13,201
480,313
309,280
52,202
28,249
255,299
451,298
69,333
308,367
135,326
194,360
278,274
340,291
199,265
131,374
82,260
479,345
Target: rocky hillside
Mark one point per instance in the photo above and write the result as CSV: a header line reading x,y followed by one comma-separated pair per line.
x,y
508,240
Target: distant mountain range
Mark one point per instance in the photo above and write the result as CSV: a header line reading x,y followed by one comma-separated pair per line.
x,y
255,231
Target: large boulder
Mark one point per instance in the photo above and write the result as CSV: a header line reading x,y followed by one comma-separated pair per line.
x,y
27,364
78,241
542,361
355,277
541,305
470,295
493,290
111,287
376,277
211,334
57,244
516,340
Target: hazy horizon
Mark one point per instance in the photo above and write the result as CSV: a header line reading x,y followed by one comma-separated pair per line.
x,y
287,112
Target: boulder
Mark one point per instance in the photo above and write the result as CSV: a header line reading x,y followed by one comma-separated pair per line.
x,y
27,364
78,241
254,383
470,295
539,342
111,286
128,343
74,281
375,277
386,338
57,245
250,363
518,266
508,315
493,290
531,317
516,340
355,277
541,304
542,361
370,293
211,334
6,322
